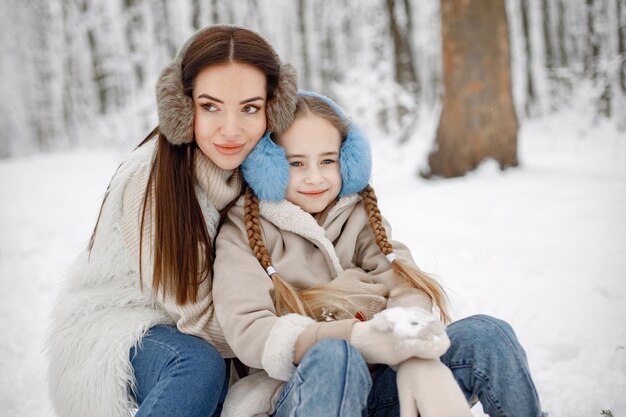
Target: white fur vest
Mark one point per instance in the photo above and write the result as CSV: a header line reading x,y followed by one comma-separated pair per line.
x,y
101,313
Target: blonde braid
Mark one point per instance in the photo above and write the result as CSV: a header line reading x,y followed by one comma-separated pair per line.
x,y
286,298
413,276
376,220
253,229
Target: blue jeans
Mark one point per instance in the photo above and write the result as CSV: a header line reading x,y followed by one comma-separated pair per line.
x,y
331,380
485,358
177,375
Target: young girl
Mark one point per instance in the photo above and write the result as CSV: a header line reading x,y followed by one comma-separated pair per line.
x,y
133,327
310,291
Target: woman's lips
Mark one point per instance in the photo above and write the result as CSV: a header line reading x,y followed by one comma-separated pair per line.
x,y
229,149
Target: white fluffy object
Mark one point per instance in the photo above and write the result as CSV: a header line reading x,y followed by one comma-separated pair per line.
x,y
409,325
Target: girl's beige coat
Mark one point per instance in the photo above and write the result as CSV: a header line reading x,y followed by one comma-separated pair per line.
x,y
305,254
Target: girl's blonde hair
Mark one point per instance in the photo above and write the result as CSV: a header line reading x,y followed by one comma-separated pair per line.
x,y
313,301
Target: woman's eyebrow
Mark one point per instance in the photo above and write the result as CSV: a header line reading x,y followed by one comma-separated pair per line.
x,y
248,100
210,98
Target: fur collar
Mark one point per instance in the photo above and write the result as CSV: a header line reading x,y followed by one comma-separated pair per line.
x,y
287,216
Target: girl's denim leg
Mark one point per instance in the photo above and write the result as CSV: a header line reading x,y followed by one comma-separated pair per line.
x,y
383,398
177,375
488,362
331,380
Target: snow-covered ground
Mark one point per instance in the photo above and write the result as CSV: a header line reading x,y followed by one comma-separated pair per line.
x,y
542,246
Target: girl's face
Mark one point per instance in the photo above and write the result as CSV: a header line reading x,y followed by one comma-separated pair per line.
x,y
229,101
312,145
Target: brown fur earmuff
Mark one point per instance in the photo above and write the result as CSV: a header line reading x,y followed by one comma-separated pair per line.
x,y
282,106
176,109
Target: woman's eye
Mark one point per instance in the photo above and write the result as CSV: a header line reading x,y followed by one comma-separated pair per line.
x,y
250,109
328,161
295,164
210,107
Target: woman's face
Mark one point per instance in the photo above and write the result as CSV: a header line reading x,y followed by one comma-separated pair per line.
x,y
312,146
230,101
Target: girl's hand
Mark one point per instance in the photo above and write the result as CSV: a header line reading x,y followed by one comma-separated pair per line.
x,y
427,388
397,334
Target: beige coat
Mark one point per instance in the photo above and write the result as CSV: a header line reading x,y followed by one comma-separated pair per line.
x,y
305,254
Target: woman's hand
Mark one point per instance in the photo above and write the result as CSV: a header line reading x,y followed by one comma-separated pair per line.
x,y
397,334
428,388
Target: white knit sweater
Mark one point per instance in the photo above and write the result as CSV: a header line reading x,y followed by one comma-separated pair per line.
x,y
101,312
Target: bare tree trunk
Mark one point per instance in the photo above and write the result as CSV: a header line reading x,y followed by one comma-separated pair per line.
x,y
215,14
478,119
305,71
134,25
328,68
45,123
405,72
547,33
592,52
597,48
98,74
401,29
531,96
621,42
196,13
162,27
562,35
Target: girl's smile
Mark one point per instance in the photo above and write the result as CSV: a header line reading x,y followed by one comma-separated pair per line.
x,y
313,194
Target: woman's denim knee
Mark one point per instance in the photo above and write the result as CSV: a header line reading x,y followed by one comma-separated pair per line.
x,y
209,367
176,372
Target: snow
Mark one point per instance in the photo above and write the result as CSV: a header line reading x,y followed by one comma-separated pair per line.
x,y
542,246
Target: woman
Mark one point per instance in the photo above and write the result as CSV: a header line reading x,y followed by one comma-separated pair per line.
x,y
134,326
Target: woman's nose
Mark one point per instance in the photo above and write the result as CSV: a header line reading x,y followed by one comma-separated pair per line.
x,y
230,125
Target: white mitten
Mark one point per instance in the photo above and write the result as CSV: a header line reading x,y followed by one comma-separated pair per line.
x,y
397,334
428,388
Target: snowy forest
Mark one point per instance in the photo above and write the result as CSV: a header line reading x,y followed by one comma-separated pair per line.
x,y
540,246
82,72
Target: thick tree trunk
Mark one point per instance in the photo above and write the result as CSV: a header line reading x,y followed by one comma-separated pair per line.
x,y
478,119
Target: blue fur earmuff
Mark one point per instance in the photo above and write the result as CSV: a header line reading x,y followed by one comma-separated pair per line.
x,y
266,169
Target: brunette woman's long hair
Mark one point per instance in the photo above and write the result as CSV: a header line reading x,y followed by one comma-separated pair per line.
x,y
312,301
182,248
